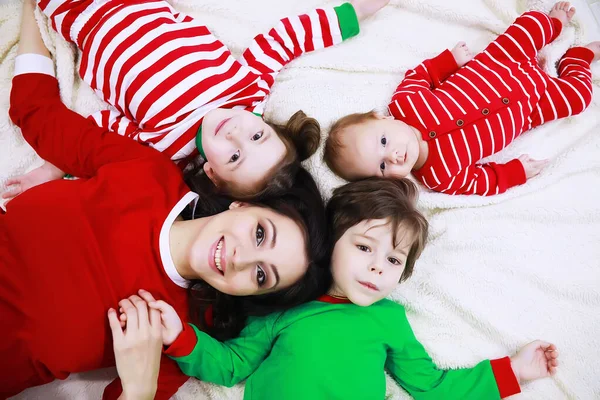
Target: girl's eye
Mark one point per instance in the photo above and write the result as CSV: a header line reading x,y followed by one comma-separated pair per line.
x,y
363,248
382,166
394,261
261,277
235,157
383,141
260,234
257,136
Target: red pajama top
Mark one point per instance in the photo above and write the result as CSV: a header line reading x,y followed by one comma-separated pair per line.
x,y
70,250
473,112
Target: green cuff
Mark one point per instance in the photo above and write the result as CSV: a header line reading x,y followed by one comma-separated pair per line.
x,y
348,20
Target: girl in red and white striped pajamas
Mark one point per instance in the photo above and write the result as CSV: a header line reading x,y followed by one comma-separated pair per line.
x,y
172,85
455,109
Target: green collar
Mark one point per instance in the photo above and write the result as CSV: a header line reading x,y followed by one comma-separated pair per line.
x,y
199,138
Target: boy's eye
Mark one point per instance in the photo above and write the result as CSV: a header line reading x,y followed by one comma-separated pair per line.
x,y
382,166
363,248
394,261
261,277
235,157
260,234
383,141
257,136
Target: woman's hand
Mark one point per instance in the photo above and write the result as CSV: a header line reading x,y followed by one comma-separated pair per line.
x,y
170,321
534,361
137,348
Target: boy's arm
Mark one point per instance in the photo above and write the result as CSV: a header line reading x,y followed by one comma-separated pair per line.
x,y
413,369
294,36
483,179
224,363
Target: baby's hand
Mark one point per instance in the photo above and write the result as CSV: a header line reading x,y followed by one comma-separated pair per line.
x,y
21,183
171,323
534,361
366,8
532,167
462,54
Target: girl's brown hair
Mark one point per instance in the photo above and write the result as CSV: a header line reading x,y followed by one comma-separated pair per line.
x,y
379,198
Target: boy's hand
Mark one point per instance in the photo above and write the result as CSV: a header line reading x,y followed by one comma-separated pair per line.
x,y
21,183
534,361
532,167
137,348
366,8
461,53
171,323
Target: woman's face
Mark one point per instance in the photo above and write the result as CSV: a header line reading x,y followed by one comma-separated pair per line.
x,y
241,149
249,250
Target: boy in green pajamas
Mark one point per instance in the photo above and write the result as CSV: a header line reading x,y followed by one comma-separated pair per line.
x,y
338,346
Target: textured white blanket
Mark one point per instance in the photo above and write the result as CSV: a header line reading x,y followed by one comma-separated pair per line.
x,y
498,271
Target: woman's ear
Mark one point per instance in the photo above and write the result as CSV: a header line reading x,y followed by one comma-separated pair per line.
x,y
210,173
238,204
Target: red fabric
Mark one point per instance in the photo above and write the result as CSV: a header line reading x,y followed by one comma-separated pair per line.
x,y
473,112
184,344
505,377
70,250
333,300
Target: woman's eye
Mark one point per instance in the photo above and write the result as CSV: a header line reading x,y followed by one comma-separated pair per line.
x,y
235,157
257,136
260,234
363,248
261,277
383,140
394,261
382,166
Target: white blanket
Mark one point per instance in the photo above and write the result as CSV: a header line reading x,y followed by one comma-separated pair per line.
x,y
498,271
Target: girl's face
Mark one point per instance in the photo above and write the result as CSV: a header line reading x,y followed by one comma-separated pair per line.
x,y
249,250
241,149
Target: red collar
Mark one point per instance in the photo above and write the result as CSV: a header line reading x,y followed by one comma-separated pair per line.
x,y
333,300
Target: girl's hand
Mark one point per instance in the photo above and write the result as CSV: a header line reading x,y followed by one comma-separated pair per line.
x,y
170,321
534,361
366,8
461,53
137,348
532,167
21,183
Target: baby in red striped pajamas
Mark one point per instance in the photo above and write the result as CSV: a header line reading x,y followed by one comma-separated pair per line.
x,y
171,84
455,109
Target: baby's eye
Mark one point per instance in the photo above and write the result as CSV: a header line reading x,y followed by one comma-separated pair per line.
x,y
235,157
383,141
363,248
394,261
257,136
382,166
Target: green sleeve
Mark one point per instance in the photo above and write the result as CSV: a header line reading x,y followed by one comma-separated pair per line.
x,y
410,365
228,363
348,20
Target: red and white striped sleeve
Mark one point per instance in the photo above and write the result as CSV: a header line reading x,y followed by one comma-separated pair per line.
x,y
425,77
484,179
113,121
294,36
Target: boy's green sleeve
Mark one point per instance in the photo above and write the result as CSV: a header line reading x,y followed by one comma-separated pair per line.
x,y
224,363
410,365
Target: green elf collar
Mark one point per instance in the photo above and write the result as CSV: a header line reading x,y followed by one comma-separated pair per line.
x,y
199,138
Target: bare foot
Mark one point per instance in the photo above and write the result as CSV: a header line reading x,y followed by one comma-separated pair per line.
x,y
563,12
595,47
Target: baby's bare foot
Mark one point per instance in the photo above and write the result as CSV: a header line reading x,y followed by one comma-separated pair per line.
x,y
595,47
563,12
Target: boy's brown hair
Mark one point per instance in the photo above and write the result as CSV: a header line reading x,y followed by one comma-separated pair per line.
x,y
334,144
379,198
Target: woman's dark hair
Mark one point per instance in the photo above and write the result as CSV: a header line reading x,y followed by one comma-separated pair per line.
x,y
301,136
223,316
379,198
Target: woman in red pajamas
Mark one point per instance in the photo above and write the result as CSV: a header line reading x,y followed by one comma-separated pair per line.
x,y
70,250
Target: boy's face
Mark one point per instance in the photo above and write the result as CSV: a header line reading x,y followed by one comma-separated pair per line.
x,y
366,266
381,146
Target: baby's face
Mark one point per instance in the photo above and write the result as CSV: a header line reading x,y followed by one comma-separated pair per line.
x,y
366,265
379,147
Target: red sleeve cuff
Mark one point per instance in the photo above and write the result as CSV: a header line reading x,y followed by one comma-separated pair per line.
x,y
514,173
582,53
441,67
505,377
184,344
557,25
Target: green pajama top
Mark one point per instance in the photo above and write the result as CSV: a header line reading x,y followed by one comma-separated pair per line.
x,y
331,349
